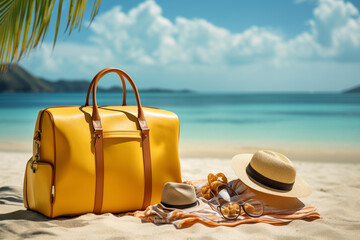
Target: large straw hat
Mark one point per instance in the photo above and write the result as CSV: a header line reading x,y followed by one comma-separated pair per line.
x,y
180,196
270,172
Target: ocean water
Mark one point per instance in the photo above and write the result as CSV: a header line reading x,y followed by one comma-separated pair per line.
x,y
330,119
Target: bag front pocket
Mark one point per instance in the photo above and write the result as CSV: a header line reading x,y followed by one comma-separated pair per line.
x,y
123,171
38,188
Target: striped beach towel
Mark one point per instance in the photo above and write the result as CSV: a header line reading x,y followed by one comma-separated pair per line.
x,y
277,210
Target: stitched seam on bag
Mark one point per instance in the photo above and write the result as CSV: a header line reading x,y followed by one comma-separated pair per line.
x,y
26,183
54,168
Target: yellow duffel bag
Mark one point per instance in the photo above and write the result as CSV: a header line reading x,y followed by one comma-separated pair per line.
x,y
101,159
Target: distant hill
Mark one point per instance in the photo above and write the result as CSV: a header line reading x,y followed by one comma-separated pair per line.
x,y
353,90
17,79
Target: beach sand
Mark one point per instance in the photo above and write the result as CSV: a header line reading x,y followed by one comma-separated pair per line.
x,y
336,195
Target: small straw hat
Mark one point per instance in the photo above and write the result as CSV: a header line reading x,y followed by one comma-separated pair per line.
x,y
180,196
270,172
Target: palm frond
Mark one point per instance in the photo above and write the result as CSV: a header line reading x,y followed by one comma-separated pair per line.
x,y
25,23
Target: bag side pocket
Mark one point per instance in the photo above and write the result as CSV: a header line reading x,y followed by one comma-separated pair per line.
x,y
38,188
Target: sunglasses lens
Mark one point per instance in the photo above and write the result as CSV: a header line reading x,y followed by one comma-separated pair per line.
x,y
254,207
230,210
226,193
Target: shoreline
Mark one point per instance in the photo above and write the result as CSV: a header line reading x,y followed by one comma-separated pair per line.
x,y
311,152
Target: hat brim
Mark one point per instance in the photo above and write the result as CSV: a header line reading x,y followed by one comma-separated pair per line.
x,y
200,206
239,164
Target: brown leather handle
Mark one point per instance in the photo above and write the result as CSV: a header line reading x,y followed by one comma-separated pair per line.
x,y
96,115
92,84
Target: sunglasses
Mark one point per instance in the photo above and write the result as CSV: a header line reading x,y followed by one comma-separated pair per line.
x,y
228,203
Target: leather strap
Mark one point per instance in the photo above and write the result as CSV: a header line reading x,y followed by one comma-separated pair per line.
x,y
92,84
99,155
147,168
99,166
267,181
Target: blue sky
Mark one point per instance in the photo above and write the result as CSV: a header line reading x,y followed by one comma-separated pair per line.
x,y
213,45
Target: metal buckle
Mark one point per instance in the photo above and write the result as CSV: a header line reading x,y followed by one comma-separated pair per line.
x,y
97,135
37,136
35,161
37,155
145,131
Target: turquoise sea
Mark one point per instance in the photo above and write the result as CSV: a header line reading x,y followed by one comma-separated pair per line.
x,y
328,119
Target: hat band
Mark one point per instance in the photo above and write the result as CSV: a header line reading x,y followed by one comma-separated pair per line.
x,y
267,181
183,206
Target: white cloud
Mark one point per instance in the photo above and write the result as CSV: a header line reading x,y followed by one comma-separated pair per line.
x,y
144,37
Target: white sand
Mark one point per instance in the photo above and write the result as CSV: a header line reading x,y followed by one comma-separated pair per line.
x,y
336,194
